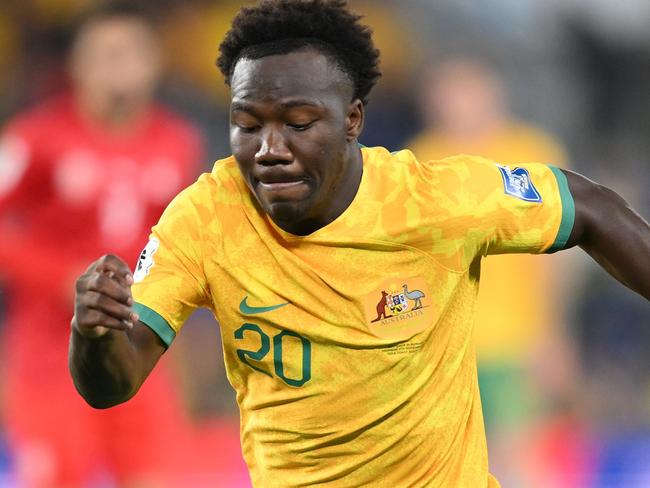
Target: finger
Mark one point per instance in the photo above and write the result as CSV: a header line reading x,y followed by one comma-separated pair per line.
x,y
95,318
98,301
103,283
126,280
114,264
122,280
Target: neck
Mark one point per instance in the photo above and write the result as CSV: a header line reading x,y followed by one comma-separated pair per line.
x,y
112,114
480,130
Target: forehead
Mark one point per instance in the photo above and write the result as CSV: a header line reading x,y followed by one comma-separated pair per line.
x,y
115,30
306,74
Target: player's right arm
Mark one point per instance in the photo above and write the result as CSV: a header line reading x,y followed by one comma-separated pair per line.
x,y
111,352
124,322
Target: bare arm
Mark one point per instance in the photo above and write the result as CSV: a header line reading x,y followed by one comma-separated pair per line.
x,y
111,353
611,232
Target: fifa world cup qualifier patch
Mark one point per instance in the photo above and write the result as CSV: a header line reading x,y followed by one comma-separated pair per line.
x,y
517,183
145,261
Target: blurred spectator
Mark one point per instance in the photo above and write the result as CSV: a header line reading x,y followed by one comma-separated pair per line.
x,y
81,174
465,110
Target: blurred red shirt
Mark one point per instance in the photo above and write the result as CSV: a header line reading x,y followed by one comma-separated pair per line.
x,y
70,191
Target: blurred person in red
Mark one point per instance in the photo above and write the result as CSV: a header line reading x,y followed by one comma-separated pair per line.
x,y
81,173
466,111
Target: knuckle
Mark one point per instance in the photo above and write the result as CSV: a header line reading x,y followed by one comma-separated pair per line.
x,y
97,281
94,299
103,284
86,318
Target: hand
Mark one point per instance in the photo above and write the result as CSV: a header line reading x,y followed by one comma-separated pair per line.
x,y
103,298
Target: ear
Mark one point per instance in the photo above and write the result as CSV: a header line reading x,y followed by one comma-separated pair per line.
x,y
354,120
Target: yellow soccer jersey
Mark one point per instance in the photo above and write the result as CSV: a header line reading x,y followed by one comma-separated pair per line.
x,y
351,349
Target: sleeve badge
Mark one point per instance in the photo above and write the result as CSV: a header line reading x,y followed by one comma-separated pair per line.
x,y
518,183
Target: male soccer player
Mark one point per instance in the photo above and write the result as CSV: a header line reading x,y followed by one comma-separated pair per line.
x,y
343,277
80,174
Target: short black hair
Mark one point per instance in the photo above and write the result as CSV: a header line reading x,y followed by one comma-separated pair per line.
x,y
284,26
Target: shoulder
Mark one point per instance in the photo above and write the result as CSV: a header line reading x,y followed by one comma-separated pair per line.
x,y
462,168
404,169
203,211
407,157
223,184
450,170
40,118
26,135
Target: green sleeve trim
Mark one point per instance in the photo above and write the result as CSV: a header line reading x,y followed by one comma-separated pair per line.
x,y
155,322
568,211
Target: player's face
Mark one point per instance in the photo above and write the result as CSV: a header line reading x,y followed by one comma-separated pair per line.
x,y
115,64
293,130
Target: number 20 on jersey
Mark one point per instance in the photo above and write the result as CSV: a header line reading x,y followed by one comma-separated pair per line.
x,y
279,341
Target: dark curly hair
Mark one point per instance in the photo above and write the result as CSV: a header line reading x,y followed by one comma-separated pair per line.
x,y
284,26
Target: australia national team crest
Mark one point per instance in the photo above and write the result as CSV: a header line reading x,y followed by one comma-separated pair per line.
x,y
397,303
517,183
399,307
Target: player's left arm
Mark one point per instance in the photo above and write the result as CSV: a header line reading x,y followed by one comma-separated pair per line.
x,y
611,232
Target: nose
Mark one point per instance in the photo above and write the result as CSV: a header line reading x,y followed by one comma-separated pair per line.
x,y
273,148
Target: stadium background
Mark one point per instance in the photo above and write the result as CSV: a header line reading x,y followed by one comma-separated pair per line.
x,y
579,71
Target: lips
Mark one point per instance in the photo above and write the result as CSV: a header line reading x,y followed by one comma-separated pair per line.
x,y
280,185
283,185
279,179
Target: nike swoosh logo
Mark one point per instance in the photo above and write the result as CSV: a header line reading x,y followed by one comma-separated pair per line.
x,y
247,309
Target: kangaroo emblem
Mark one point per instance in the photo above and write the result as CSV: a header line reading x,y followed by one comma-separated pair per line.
x,y
381,308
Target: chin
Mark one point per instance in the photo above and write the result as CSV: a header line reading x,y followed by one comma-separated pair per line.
x,y
287,212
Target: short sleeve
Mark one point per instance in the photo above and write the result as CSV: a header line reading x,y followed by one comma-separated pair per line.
x,y
169,282
524,208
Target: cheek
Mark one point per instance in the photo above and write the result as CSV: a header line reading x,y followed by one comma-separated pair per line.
x,y
326,147
331,167
242,146
244,152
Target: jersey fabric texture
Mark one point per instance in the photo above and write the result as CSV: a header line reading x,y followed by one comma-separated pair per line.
x,y
351,349
518,306
509,325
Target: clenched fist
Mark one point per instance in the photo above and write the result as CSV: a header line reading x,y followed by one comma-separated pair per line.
x,y
103,298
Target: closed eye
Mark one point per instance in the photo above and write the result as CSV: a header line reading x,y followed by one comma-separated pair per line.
x,y
301,127
246,128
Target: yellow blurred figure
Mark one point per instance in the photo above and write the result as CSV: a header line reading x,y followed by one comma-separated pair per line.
x,y
465,111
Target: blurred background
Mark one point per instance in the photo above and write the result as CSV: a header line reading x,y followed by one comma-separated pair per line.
x,y
563,353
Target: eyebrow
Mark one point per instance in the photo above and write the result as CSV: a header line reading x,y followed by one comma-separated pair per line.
x,y
300,103
289,104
